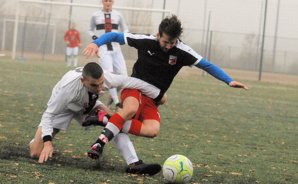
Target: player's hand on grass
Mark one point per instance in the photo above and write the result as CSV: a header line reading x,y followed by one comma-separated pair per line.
x,y
46,152
236,84
90,50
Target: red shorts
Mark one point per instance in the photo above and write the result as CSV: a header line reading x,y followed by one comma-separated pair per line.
x,y
147,109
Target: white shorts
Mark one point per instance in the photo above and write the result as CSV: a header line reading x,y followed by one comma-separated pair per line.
x,y
72,51
63,120
113,61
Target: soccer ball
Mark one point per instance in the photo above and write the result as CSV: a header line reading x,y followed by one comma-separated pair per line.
x,y
177,169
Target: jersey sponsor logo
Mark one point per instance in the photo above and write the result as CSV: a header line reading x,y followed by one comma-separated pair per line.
x,y
172,60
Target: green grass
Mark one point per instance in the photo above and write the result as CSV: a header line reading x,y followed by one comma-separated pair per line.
x,y
230,135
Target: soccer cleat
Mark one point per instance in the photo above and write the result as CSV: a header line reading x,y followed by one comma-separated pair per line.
x,y
96,119
95,151
140,167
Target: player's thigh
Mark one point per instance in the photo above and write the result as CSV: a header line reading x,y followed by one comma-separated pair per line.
x,y
75,51
150,117
68,51
119,63
130,107
106,61
130,100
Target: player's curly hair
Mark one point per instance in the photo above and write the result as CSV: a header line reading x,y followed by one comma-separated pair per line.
x,y
170,26
92,70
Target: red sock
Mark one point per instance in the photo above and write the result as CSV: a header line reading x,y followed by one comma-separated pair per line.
x,y
117,120
135,127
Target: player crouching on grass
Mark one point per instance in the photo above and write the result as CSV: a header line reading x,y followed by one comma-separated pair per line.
x,y
75,96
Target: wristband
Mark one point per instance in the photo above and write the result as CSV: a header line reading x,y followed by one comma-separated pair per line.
x,y
47,138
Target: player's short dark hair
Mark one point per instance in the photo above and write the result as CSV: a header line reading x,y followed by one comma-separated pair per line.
x,y
92,70
170,26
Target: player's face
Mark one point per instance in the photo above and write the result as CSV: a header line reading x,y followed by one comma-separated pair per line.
x,y
73,25
166,43
107,5
93,85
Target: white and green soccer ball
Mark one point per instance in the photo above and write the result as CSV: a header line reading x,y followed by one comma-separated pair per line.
x,y
177,169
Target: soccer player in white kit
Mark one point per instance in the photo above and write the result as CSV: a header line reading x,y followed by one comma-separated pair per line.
x,y
111,59
74,97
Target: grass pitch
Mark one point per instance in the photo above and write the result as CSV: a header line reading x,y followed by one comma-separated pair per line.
x,y
230,135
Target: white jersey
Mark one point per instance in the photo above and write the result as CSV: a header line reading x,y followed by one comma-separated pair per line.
x,y
71,98
104,22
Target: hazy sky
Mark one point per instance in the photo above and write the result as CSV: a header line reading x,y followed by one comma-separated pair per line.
x,y
231,18
239,16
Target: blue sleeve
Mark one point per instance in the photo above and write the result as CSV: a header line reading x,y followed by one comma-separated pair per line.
x,y
214,70
109,37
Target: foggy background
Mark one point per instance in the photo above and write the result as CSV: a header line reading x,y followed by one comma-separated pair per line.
x,y
227,33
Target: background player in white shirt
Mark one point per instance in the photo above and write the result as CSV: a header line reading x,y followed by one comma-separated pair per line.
x,y
75,96
112,60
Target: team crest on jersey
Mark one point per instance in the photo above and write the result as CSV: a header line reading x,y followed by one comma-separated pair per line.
x,y
172,60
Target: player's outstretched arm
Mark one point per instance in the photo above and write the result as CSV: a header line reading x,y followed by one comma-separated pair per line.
x,y
91,50
236,84
46,152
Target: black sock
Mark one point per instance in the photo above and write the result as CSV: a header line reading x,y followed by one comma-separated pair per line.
x,y
107,134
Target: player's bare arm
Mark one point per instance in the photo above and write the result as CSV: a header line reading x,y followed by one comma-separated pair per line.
x,y
236,84
90,50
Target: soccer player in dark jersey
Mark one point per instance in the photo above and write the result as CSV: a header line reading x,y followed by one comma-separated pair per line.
x,y
160,58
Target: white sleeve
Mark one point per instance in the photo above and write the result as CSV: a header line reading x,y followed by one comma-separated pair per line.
x,y
57,103
123,24
113,81
92,26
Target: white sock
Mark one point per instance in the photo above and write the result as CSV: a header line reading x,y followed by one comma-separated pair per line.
x,y
68,60
75,61
114,95
126,148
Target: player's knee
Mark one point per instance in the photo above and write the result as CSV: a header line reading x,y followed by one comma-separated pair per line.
x,y
34,155
153,132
